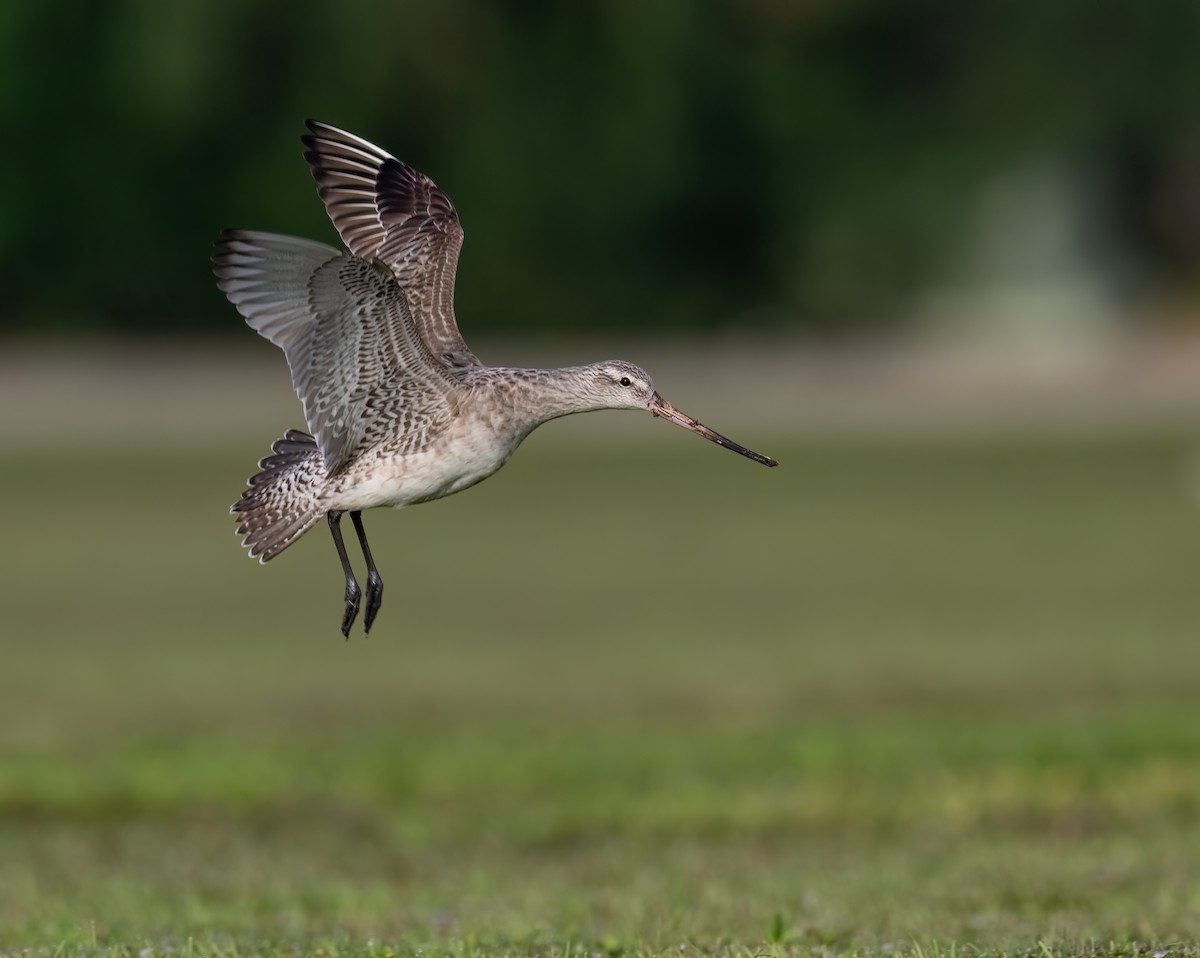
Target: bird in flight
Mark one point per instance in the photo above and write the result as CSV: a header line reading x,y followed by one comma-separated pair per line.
x,y
399,409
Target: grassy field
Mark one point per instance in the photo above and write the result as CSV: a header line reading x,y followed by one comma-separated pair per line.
x,y
896,697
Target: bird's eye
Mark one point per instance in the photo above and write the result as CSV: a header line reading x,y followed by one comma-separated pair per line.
x,y
625,381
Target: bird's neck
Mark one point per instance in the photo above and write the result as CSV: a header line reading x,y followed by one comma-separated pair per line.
x,y
535,396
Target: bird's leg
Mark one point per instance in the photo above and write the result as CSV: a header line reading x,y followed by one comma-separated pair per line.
x,y
353,592
374,582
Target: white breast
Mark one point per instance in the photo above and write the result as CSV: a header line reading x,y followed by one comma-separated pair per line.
x,y
467,453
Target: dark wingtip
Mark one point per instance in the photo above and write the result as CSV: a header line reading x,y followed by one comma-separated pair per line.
x,y
228,235
309,140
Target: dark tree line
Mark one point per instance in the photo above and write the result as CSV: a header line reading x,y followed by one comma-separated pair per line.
x,y
793,162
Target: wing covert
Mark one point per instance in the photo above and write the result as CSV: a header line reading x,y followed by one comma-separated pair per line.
x,y
357,362
387,211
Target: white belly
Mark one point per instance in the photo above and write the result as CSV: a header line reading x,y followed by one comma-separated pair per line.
x,y
452,464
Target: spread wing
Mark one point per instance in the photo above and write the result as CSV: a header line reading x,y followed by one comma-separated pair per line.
x,y
357,362
387,211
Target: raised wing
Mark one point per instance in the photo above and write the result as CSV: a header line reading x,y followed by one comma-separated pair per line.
x,y
387,211
357,362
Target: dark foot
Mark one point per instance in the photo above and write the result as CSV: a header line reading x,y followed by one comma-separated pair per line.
x,y
353,594
374,598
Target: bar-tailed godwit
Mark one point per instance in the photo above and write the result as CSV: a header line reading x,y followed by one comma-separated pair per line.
x,y
399,409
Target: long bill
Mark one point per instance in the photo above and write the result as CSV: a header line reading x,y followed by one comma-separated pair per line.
x,y
660,407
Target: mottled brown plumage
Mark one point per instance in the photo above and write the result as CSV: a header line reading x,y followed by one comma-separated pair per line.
x,y
399,409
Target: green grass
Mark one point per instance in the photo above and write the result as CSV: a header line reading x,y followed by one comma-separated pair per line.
x,y
895,697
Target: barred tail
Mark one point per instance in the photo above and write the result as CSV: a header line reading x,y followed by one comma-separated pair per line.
x,y
282,501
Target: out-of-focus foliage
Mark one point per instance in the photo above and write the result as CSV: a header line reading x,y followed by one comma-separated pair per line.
x,y
746,161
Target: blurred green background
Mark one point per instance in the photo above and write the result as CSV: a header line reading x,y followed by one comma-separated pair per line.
x,y
931,683
785,164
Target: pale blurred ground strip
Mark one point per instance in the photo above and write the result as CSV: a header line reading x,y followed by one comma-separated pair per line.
x,y
96,392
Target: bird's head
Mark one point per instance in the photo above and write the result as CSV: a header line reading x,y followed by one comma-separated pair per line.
x,y
616,384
